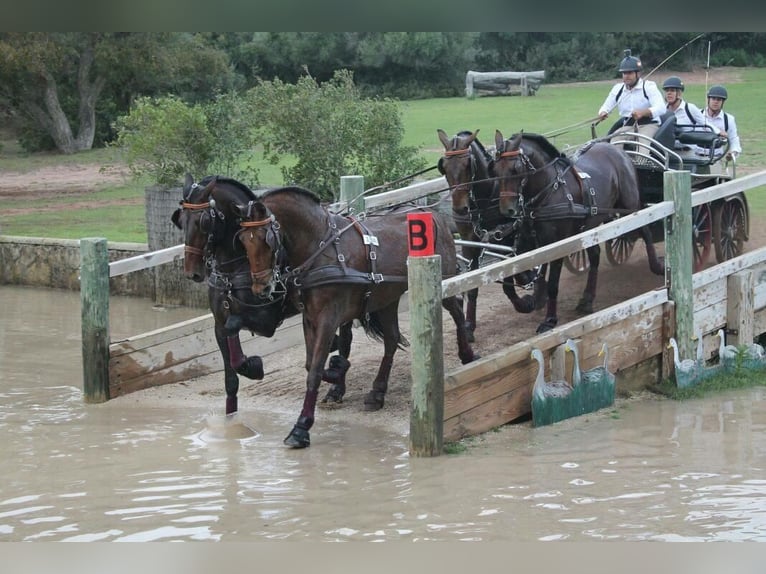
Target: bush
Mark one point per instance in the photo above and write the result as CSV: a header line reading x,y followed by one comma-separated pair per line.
x,y
332,131
165,138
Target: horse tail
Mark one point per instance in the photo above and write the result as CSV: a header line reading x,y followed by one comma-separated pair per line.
x,y
373,328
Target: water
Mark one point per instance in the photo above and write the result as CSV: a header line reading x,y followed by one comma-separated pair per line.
x,y
647,470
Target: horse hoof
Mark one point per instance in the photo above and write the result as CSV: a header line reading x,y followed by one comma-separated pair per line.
x,y
373,401
525,305
298,438
585,307
547,325
334,396
231,405
252,368
471,359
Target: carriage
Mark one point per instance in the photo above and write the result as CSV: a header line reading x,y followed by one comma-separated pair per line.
x,y
721,226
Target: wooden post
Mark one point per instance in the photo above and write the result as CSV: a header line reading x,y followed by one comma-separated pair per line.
x,y
351,192
94,302
740,308
678,258
424,277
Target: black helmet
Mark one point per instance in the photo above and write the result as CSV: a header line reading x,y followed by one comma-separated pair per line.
x,y
717,92
673,82
630,63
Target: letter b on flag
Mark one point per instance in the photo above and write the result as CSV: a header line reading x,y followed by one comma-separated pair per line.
x,y
420,234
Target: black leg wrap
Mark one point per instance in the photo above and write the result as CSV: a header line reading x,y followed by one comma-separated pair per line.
x,y
252,368
299,436
336,370
233,324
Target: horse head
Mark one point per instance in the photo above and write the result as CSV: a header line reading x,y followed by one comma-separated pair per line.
x,y
260,237
512,166
460,165
195,220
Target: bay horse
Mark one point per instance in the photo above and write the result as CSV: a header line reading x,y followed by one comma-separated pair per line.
x,y
212,253
345,268
475,210
556,197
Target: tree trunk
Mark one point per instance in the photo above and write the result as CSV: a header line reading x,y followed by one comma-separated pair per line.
x,y
54,120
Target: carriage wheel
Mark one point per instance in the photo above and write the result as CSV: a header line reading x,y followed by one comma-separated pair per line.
x,y
618,250
729,229
577,262
702,233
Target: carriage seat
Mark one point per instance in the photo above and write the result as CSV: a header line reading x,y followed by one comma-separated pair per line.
x,y
704,141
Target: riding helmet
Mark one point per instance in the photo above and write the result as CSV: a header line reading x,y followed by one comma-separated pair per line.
x,y
630,63
673,82
717,92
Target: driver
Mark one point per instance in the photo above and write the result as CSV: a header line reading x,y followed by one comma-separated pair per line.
x,y
638,101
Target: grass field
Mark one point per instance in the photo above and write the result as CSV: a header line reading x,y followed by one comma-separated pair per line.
x,y
115,211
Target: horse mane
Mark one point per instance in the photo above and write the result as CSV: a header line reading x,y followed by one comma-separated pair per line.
x,y
229,181
303,192
543,142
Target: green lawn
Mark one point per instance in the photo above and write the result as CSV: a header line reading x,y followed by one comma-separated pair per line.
x,y
554,108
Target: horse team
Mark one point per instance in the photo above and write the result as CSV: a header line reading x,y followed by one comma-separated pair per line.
x,y
271,256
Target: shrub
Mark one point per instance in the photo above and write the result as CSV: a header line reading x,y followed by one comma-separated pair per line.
x,y
164,138
332,131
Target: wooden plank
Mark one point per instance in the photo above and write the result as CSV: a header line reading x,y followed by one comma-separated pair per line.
x,y
728,188
404,194
678,256
427,356
739,308
514,265
94,306
722,270
146,260
190,355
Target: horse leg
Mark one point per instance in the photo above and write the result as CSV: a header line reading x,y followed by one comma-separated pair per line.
x,y
470,313
388,321
585,305
299,435
336,370
656,263
551,315
231,380
250,367
464,350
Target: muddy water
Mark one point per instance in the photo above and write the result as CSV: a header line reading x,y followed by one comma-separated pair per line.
x,y
646,470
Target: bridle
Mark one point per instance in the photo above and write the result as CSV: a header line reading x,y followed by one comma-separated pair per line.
x,y
270,279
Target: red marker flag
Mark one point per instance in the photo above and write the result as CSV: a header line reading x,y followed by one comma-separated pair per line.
x,y
421,234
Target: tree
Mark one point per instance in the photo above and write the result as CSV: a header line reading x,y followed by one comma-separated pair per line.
x,y
331,131
53,82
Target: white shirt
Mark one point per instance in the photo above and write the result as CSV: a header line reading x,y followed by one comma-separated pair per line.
x,y
719,124
688,115
628,99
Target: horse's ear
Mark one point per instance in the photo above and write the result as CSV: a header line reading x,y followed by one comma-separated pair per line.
x,y
188,181
174,218
499,142
209,187
516,141
443,138
491,168
241,210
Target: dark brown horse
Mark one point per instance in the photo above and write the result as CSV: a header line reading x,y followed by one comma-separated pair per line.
x,y
212,253
345,269
555,197
475,210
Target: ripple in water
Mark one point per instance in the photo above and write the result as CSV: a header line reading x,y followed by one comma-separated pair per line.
x,y
220,428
